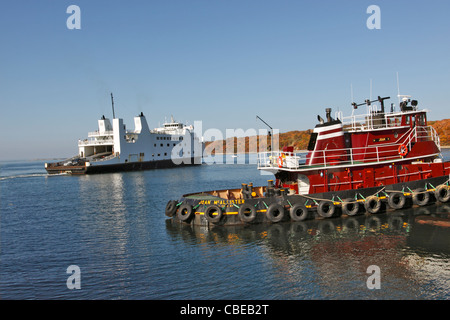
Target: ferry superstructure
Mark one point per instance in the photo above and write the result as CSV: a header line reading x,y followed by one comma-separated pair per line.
x,y
114,148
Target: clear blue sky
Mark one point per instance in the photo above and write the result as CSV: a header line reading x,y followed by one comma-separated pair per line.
x,y
219,61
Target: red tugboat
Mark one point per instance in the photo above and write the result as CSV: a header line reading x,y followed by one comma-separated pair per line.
x,y
355,164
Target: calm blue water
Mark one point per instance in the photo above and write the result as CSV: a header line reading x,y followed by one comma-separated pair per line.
x,y
113,227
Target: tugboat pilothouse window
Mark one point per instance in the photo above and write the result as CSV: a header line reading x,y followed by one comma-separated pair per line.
x,y
312,141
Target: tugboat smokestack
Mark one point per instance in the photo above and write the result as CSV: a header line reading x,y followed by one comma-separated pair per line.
x,y
328,111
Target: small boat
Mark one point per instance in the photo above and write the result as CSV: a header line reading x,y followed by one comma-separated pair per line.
x,y
358,164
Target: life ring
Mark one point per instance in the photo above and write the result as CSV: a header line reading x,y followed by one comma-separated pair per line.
x,y
247,213
280,162
350,207
298,212
326,209
213,214
275,212
442,193
373,204
185,212
403,150
396,200
171,208
421,197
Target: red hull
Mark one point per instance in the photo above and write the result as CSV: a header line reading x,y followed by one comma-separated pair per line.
x,y
329,179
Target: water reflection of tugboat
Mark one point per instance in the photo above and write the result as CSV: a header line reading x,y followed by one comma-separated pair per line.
x,y
369,231
356,164
332,255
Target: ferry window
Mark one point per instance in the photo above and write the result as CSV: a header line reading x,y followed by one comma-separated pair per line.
x,y
161,144
157,138
174,144
153,154
159,154
407,119
168,144
165,153
154,145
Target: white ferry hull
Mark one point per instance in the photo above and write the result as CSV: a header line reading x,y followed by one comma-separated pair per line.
x,y
119,167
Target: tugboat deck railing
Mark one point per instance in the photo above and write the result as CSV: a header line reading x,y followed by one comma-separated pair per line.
x,y
374,120
372,154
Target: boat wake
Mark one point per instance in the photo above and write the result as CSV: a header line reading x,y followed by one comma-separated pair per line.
x,y
31,175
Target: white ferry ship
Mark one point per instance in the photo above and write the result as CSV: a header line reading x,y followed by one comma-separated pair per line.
x,y
114,148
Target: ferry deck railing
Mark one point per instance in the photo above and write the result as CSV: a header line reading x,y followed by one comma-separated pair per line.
x,y
97,133
108,157
86,142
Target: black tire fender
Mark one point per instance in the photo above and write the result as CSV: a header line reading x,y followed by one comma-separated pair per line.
x,y
247,213
350,207
421,197
185,212
326,209
275,212
372,204
442,193
171,208
396,200
298,212
213,213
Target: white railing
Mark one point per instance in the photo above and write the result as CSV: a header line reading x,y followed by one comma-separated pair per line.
x,y
288,160
349,156
422,134
373,119
111,156
95,142
98,134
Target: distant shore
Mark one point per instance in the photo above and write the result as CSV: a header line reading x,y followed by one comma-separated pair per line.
x,y
295,151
